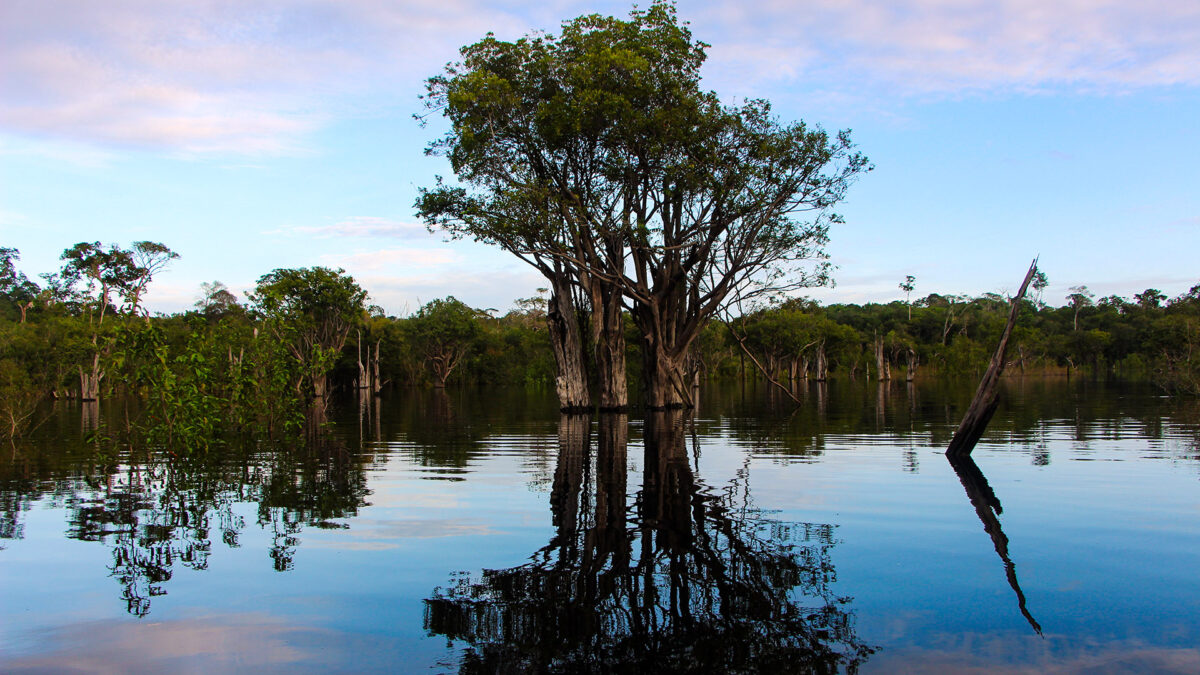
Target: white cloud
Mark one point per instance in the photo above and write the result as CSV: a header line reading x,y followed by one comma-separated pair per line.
x,y
391,260
212,76
368,226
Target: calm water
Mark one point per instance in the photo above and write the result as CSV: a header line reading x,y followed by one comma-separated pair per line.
x,y
478,531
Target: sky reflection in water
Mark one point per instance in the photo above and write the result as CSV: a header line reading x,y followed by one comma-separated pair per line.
x,y
477,530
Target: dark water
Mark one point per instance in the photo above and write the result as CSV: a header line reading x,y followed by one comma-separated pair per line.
x,y
479,531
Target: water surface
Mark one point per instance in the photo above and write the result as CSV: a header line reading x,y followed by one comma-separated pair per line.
x,y
479,530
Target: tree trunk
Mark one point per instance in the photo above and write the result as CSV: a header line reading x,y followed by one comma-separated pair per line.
x,y
608,338
662,378
570,382
912,366
376,385
362,382
89,381
882,367
822,365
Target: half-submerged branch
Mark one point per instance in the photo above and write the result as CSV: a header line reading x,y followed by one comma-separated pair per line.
x,y
987,396
987,507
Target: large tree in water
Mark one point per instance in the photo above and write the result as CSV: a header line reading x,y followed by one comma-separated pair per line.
x,y
595,156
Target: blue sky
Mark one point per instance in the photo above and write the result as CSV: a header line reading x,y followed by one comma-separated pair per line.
x,y
254,135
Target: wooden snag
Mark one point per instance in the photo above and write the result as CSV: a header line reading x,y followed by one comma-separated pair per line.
x,y
987,396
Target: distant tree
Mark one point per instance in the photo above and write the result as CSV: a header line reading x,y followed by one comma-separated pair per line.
x,y
102,272
907,286
1151,298
215,299
14,285
149,258
1079,298
311,311
443,331
1040,282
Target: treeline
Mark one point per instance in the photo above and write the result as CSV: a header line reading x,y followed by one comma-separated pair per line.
x,y
266,366
1149,336
262,367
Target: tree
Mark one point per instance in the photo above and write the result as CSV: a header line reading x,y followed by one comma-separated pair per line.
x,y
443,331
14,285
907,286
215,299
150,258
1040,282
102,271
311,311
596,155
1079,298
1151,298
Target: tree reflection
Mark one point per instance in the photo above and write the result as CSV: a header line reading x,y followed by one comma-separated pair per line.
x,y
164,512
987,507
692,580
155,517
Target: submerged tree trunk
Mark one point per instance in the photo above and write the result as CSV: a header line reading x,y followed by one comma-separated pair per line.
x,y
822,364
376,385
608,339
663,379
89,380
912,366
882,367
570,382
363,378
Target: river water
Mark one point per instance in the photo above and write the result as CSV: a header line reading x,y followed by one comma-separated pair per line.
x,y
480,531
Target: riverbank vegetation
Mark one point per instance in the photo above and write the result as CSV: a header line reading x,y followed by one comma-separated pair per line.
x,y
266,365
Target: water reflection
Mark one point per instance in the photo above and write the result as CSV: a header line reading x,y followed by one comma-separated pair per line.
x,y
663,569
159,513
987,507
689,579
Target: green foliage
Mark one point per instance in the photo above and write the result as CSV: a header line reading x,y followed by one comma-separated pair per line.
x,y
220,382
311,312
443,332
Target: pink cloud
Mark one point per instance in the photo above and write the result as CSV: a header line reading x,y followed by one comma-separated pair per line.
x,y
923,46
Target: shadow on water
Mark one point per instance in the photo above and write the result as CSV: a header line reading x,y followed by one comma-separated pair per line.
x,y
688,579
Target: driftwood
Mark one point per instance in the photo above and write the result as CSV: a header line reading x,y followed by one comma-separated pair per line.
x,y
988,508
987,396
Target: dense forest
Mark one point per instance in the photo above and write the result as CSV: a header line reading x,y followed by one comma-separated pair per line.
x,y
267,365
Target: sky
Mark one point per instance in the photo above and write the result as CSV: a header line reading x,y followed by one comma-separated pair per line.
x,y
250,136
